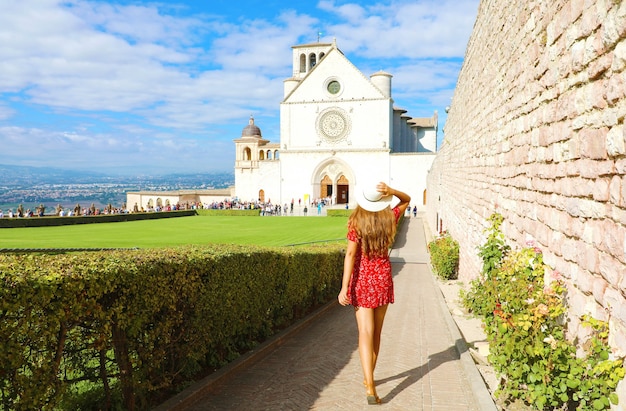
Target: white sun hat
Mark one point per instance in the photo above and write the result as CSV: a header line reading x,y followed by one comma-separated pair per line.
x,y
368,198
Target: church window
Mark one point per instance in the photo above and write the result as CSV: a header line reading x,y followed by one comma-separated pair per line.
x,y
302,63
247,154
333,87
333,125
269,154
261,155
312,60
276,155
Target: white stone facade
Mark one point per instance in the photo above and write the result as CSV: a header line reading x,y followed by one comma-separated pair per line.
x,y
337,128
148,200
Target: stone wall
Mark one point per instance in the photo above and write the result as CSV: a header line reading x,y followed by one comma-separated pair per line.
x,y
536,132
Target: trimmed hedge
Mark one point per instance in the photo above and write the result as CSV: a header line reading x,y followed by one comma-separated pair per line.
x,y
124,329
230,212
51,221
339,212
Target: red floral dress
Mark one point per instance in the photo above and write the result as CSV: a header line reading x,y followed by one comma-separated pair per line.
x,y
371,283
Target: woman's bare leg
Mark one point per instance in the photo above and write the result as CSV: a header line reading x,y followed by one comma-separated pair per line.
x,y
370,323
379,319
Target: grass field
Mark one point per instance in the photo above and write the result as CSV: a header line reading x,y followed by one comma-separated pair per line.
x,y
169,232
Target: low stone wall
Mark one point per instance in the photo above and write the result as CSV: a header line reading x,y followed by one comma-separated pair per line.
x,y
536,132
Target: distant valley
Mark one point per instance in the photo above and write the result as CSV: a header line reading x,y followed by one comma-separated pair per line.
x,y
32,186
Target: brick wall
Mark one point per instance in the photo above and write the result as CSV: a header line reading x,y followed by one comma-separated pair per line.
x,y
536,132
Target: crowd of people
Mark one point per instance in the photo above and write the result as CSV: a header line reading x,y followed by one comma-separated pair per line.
x,y
265,208
20,212
61,211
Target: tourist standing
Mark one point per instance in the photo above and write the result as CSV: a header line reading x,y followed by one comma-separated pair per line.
x,y
367,282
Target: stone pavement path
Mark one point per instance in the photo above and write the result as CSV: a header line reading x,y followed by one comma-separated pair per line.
x,y
423,363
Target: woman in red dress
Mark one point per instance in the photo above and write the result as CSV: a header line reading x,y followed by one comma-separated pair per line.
x,y
367,282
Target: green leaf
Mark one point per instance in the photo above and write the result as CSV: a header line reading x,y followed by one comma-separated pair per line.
x,y
572,383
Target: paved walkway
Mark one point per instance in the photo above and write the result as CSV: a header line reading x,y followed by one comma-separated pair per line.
x,y
423,363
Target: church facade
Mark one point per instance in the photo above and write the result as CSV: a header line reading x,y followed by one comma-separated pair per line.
x,y
338,128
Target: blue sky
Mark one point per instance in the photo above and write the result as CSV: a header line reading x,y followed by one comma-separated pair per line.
x,y
138,87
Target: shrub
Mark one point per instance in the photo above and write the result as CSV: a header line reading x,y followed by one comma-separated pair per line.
x,y
127,327
525,327
444,256
495,248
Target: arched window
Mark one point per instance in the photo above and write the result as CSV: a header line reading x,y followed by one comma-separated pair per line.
x,y
276,155
302,63
312,60
424,197
247,154
261,155
321,55
269,154
159,202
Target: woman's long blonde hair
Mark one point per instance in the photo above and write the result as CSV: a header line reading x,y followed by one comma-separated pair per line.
x,y
375,229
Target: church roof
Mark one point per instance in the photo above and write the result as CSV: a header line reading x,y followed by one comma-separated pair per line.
x,y
251,130
382,73
399,109
423,122
318,44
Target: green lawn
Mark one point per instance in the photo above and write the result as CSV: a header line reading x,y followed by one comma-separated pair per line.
x,y
269,231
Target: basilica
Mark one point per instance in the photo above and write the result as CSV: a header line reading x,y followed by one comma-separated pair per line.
x,y
338,128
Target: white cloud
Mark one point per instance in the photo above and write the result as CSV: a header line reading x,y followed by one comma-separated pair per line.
x,y
96,82
409,29
6,112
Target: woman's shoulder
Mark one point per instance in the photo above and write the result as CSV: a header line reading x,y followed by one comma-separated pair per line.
x,y
396,212
352,235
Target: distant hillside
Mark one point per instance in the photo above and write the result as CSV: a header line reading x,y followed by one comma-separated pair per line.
x,y
24,176
32,186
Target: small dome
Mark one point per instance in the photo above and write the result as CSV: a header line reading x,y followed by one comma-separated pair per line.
x,y
251,130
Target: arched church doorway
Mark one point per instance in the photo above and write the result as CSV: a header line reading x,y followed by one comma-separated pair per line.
x,y
261,196
343,190
331,179
326,187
